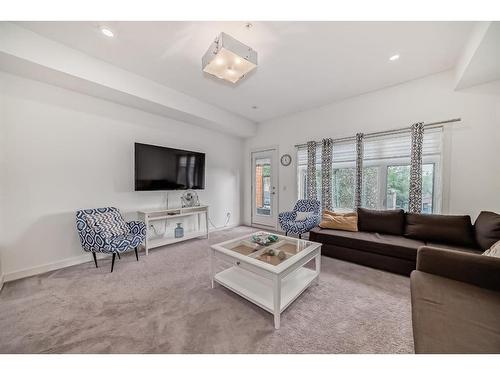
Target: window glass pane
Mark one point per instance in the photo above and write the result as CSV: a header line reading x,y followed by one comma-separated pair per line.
x,y
263,186
302,181
343,188
398,185
427,188
370,192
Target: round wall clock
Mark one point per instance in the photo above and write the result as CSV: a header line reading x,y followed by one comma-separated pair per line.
x,y
286,160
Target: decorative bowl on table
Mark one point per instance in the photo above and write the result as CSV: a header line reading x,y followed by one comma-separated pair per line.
x,y
264,239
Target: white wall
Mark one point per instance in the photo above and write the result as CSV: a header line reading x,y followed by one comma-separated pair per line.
x,y
65,151
474,168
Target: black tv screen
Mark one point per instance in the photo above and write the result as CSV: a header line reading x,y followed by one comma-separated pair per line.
x,y
163,168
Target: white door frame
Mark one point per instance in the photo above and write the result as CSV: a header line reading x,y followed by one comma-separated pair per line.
x,y
275,182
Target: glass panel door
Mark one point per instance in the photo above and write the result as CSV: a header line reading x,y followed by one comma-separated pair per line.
x,y
264,189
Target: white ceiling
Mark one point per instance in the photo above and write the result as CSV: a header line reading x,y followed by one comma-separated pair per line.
x,y
301,64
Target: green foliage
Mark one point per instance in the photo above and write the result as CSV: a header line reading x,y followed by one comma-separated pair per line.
x,y
369,195
266,170
343,187
398,183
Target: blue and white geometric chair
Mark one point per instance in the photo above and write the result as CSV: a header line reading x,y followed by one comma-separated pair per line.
x,y
288,220
103,230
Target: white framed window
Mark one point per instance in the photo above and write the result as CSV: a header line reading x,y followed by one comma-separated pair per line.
x,y
386,172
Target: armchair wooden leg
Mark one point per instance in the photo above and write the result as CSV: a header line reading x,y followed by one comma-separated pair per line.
x,y
118,255
300,236
286,233
136,254
95,259
113,262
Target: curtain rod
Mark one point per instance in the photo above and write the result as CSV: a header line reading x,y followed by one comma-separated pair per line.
x,y
387,132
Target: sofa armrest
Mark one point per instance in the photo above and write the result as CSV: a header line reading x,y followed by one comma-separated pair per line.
x,y
482,271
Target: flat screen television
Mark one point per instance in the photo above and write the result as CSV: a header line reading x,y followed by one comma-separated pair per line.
x,y
163,168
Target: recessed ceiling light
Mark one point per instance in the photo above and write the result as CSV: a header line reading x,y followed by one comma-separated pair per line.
x,y
394,57
254,107
107,32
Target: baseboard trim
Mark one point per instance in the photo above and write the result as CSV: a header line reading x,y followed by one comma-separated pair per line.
x,y
37,270
73,261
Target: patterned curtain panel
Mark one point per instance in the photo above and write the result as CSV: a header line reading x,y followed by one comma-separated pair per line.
x,y
326,173
359,170
311,170
415,193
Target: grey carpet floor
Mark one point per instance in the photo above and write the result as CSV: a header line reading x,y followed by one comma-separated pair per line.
x,y
164,304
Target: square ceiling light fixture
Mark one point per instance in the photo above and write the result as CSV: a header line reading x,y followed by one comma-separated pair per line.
x,y
229,59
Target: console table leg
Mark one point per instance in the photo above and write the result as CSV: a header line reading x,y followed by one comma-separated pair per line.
x,y
277,301
206,221
212,267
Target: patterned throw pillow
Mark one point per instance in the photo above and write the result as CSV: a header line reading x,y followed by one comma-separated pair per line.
x,y
301,216
340,221
493,251
109,224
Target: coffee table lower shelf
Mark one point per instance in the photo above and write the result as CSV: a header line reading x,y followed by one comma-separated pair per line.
x,y
259,290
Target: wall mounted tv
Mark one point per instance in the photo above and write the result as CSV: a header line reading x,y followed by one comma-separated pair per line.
x,y
163,168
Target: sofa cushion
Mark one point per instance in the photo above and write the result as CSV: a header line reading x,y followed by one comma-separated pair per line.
x,y
384,244
348,221
445,229
487,229
381,221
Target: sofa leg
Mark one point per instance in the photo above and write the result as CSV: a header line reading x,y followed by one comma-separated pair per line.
x,y
118,255
136,254
113,262
286,233
95,259
300,236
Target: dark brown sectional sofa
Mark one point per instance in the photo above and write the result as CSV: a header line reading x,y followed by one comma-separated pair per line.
x,y
389,239
455,302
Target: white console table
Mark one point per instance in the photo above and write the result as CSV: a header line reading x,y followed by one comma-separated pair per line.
x,y
200,212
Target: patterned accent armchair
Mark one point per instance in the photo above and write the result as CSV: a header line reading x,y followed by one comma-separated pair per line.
x,y
288,220
103,230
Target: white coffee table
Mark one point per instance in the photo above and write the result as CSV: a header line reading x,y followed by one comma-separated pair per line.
x,y
266,280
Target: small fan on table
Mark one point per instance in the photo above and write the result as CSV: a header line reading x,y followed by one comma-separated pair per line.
x,y
190,199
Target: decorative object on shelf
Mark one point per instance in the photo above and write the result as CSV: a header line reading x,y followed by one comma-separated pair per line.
x,y
190,199
264,240
179,231
286,160
229,59
281,255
